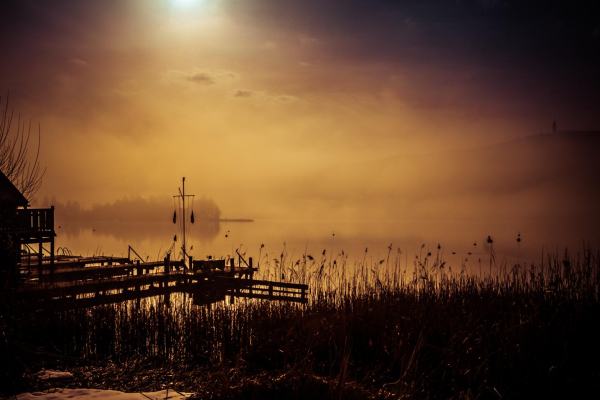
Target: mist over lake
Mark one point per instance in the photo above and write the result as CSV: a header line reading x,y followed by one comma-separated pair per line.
x,y
353,237
543,187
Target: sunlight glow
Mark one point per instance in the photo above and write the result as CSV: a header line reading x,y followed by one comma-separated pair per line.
x,y
185,2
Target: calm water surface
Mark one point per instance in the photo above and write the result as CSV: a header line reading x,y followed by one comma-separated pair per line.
x,y
408,239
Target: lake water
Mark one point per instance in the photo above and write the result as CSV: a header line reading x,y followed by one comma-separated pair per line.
x,y
412,238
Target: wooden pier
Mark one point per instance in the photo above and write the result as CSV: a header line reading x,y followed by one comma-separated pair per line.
x,y
76,282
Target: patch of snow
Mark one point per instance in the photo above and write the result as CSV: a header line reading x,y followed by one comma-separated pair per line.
x,y
61,394
46,374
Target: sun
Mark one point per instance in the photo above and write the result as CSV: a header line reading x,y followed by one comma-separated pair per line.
x,y
185,3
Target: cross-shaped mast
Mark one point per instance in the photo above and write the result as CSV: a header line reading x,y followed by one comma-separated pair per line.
x,y
183,196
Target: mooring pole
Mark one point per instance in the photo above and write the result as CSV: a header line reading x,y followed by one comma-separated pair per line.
x,y
183,217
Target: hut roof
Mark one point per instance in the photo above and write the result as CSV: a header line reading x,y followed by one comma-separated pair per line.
x,y
10,195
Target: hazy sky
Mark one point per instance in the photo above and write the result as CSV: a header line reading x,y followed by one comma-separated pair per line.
x,y
246,96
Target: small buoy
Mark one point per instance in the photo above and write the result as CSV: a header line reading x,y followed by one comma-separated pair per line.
x,y
175,238
192,218
174,217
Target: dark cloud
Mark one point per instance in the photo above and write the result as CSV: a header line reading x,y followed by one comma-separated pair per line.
x,y
201,78
244,93
491,51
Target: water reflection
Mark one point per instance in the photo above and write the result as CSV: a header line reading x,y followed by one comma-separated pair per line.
x,y
138,231
113,238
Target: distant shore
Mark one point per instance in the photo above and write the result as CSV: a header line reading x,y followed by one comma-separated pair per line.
x,y
134,220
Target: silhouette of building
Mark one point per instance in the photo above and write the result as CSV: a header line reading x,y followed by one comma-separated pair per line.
x,y
10,197
23,228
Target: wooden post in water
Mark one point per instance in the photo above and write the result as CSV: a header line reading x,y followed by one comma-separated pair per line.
x,y
40,270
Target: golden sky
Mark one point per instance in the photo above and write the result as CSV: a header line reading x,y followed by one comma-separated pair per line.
x,y
249,99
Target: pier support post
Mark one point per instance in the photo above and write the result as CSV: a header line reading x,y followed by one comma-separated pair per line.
x,y
40,269
168,263
52,258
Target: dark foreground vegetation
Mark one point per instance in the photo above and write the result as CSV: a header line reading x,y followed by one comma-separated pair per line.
x,y
526,332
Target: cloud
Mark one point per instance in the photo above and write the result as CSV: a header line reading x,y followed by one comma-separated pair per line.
x,y
78,62
286,98
270,46
264,97
202,76
307,40
244,93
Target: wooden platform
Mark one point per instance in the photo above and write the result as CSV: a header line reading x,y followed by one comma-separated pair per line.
x,y
75,286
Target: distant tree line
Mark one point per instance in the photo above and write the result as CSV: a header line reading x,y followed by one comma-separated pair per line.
x,y
134,208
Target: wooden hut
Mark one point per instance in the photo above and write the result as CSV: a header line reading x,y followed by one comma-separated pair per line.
x,y
23,228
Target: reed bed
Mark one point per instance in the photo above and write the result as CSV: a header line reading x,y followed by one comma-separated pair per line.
x,y
371,329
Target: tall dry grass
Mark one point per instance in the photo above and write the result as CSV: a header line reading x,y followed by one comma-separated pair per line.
x,y
387,328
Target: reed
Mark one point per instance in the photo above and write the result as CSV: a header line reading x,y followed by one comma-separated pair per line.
x,y
375,328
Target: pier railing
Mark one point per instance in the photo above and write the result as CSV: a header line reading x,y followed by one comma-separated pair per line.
x,y
27,220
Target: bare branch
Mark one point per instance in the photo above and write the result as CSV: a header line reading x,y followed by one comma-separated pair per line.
x,y
26,174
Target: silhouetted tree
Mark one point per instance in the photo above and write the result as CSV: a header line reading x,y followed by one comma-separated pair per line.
x,y
23,172
135,208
